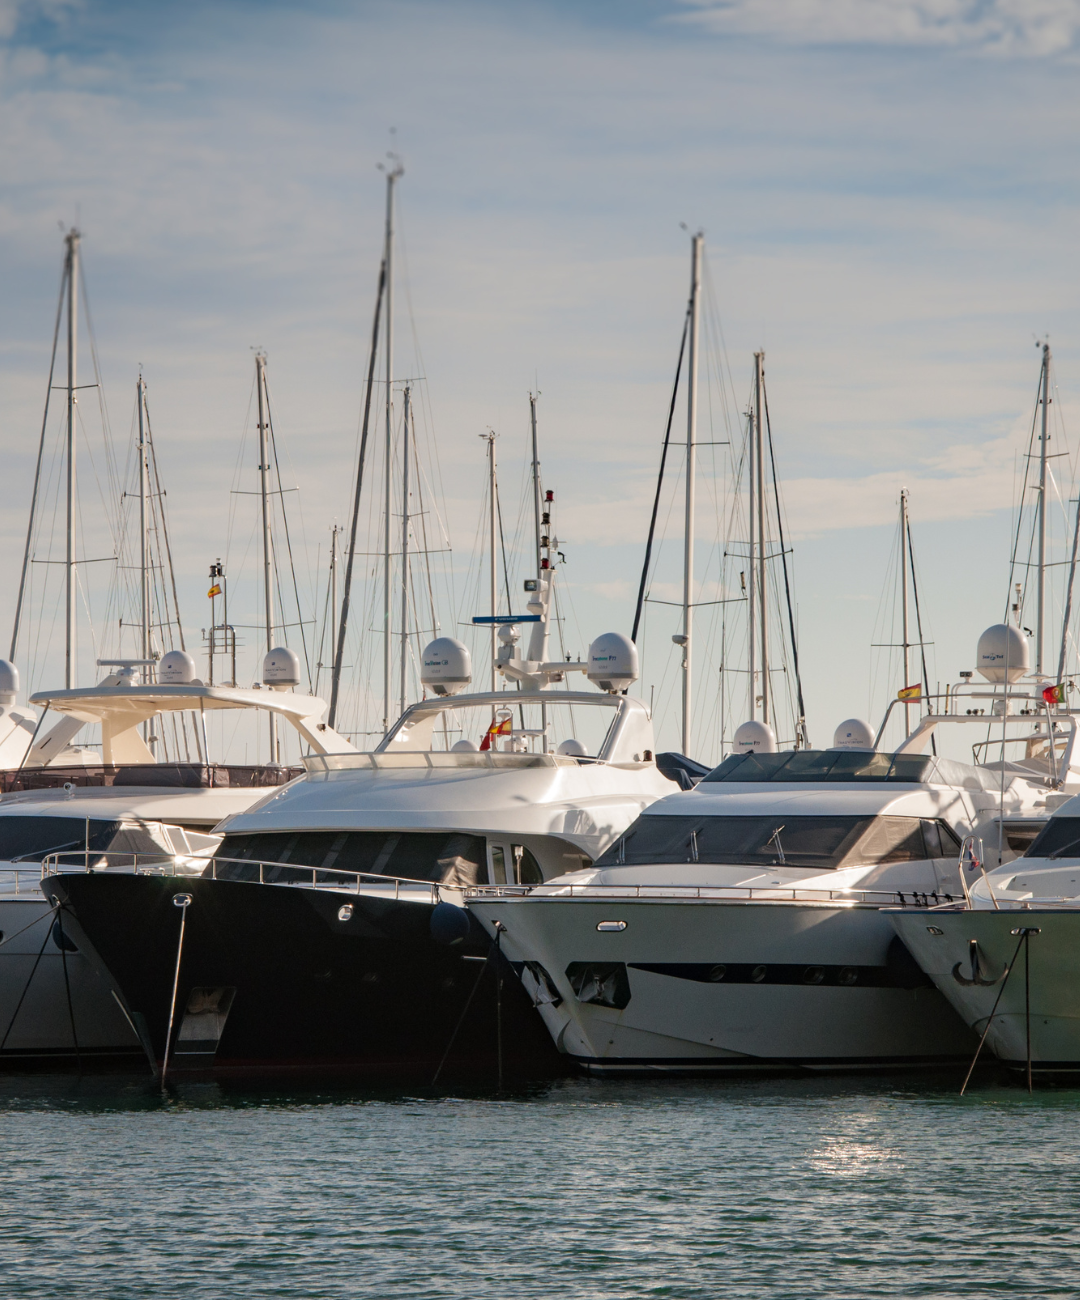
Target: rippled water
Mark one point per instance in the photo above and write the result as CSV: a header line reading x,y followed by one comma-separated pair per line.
x,y
777,1188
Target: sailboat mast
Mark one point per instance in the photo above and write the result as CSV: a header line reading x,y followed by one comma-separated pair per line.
x,y
691,441
144,538
1044,443
759,387
406,413
493,494
391,179
72,241
751,566
906,634
267,553
536,480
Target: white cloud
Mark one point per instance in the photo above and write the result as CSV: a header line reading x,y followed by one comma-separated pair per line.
x,y
1030,28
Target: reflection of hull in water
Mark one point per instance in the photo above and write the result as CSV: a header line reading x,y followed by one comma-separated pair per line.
x,y
272,980
702,985
38,1028
1044,996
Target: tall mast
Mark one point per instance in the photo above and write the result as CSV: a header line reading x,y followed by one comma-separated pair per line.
x,y
333,576
759,388
691,440
144,538
267,553
536,479
905,635
493,493
1044,443
406,412
751,567
72,241
391,179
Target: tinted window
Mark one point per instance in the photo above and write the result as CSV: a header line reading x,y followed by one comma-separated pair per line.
x,y
410,855
1062,834
819,842
29,839
823,765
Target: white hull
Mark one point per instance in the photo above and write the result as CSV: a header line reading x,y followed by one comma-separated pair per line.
x,y
1046,1000
36,1024
802,984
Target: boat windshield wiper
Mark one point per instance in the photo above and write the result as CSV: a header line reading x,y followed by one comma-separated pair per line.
x,y
775,838
1058,852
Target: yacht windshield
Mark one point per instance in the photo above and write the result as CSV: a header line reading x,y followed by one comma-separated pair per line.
x,y
29,838
1059,838
450,858
823,765
823,843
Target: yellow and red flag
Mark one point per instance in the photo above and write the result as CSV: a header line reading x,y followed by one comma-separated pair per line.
x,y
1054,694
215,590
910,693
499,727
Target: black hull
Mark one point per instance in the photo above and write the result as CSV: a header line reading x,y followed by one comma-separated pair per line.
x,y
298,991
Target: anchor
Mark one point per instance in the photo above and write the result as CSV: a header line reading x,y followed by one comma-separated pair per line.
x,y
979,970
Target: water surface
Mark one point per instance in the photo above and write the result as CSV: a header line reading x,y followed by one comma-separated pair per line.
x,y
783,1188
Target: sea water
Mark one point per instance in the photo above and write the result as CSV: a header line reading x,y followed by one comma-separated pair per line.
x,y
780,1188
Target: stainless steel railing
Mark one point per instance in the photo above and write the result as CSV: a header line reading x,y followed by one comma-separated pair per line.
x,y
553,891
163,864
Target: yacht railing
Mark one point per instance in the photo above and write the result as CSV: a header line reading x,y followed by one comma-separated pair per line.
x,y
19,881
719,893
197,867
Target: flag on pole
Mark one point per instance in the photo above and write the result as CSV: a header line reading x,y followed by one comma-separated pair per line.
x,y
499,727
1054,694
215,590
910,693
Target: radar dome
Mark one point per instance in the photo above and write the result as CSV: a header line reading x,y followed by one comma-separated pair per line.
x,y
1003,654
9,682
756,738
281,669
464,747
572,748
175,668
853,734
613,662
446,666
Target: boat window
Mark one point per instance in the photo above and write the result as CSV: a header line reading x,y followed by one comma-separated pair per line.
x,y
30,838
1061,836
498,865
776,840
412,855
932,840
950,841
823,765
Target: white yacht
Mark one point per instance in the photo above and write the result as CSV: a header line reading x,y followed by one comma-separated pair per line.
x,y
1007,958
741,925
328,932
105,814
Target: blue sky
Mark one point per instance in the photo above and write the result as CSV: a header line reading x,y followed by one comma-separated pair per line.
x,y
889,198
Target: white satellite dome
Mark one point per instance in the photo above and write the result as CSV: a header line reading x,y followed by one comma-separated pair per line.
x,y
281,669
9,682
572,748
853,733
755,737
464,747
1003,653
613,662
446,667
175,668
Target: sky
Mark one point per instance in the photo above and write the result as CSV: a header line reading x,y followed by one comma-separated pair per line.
x,y
888,193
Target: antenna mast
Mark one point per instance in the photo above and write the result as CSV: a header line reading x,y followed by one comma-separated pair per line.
x,y
691,439
536,480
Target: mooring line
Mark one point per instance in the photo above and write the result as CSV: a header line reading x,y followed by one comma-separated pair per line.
x,y
182,901
33,972
993,1012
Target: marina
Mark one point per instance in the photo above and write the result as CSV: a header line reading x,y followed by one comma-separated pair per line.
x,y
540,662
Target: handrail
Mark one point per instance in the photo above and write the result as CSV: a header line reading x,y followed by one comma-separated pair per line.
x,y
153,864
555,892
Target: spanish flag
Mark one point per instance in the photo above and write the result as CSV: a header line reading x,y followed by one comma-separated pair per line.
x,y
215,590
499,727
1054,694
910,693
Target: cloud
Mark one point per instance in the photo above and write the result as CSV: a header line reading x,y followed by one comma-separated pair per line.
x,y
1028,28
